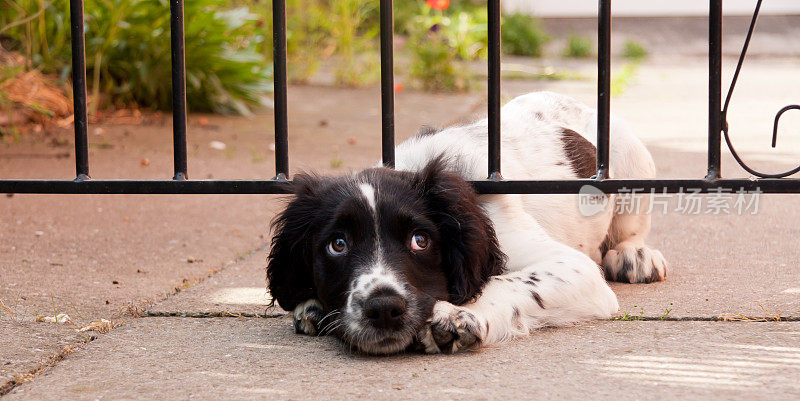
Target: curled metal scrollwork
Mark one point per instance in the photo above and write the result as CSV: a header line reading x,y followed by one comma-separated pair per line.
x,y
724,115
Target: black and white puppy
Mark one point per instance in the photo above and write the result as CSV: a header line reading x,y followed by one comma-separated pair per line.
x,y
389,259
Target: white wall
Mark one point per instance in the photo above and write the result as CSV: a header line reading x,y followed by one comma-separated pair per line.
x,y
588,8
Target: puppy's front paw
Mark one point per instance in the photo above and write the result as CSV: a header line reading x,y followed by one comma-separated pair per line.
x,y
451,329
629,264
307,316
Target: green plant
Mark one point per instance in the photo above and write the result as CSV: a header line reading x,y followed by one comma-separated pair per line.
x,y
341,32
628,317
440,42
578,47
404,14
621,80
667,311
353,36
634,51
467,33
406,11
433,66
128,51
522,35
39,29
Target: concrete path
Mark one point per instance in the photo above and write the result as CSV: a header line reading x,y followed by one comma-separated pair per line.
x,y
253,358
181,277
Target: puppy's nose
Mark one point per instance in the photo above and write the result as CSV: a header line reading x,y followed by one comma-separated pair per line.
x,y
385,311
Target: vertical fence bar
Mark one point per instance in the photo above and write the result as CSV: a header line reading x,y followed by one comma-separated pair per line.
x,y
178,89
494,89
387,82
603,86
79,89
714,88
280,79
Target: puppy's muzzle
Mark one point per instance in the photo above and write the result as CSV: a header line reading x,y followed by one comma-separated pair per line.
x,y
385,309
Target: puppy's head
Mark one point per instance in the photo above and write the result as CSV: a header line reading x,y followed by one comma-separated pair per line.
x,y
379,248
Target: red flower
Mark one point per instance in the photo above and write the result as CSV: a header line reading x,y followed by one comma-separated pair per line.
x,y
438,4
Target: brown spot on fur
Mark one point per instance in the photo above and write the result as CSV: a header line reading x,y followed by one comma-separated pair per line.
x,y
581,153
537,298
427,130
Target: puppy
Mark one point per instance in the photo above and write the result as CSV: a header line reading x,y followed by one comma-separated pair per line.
x,y
390,259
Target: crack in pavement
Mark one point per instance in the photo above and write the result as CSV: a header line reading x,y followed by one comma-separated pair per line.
x,y
59,356
53,360
204,315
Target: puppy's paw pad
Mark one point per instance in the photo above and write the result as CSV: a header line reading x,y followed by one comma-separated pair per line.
x,y
630,264
307,316
450,330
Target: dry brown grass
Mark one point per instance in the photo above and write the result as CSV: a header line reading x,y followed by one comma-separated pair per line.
x,y
739,317
33,95
33,90
102,326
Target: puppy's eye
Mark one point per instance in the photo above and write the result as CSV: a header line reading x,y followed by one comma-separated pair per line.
x,y
337,247
420,241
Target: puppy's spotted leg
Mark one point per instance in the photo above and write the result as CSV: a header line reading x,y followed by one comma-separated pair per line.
x,y
565,288
307,317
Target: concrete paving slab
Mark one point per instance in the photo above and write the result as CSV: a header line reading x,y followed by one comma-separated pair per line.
x,y
240,358
723,264
29,345
237,290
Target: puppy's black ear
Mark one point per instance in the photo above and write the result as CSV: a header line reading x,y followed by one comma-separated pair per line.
x,y
469,247
289,269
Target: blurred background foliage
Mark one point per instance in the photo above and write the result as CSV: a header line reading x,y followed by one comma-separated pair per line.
x,y
229,46
128,51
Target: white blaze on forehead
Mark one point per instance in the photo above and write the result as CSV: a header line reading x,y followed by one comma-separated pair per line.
x,y
369,193
375,275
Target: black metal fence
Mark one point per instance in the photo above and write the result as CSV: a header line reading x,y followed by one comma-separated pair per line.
x,y
180,184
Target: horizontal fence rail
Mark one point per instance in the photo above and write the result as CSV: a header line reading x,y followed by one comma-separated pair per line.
x,y
275,186
281,184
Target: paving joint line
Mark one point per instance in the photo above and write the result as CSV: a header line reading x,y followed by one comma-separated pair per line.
x,y
205,315
59,356
51,361
723,319
269,315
